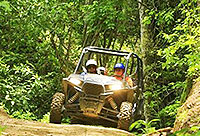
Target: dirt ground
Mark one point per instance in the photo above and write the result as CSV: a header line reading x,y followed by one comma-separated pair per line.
x,y
18,127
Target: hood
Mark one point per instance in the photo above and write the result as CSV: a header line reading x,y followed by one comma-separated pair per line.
x,y
96,79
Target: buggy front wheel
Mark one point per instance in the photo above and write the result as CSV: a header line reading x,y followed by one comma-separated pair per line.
x,y
124,116
56,107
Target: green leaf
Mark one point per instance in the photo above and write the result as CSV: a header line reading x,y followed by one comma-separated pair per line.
x,y
194,128
153,120
6,5
147,20
137,124
159,52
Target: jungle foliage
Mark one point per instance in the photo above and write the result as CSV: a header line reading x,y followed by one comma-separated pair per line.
x,y
41,40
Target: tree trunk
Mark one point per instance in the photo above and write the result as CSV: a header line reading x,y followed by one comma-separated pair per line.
x,y
146,44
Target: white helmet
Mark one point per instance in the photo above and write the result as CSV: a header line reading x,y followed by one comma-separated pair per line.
x,y
101,70
91,62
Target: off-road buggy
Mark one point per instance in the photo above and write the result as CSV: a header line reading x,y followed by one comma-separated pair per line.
x,y
101,99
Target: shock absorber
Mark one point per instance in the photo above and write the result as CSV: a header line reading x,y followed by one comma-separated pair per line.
x,y
112,103
73,98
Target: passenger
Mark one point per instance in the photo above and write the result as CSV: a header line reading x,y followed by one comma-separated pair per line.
x,y
102,71
91,67
119,73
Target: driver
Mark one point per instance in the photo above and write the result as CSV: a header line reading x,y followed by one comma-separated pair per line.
x,y
119,69
91,66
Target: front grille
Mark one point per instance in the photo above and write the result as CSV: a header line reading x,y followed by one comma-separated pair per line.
x,y
92,89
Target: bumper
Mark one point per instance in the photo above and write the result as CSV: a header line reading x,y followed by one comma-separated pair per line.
x,y
91,107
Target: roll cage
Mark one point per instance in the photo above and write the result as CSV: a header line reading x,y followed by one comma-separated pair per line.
x,y
126,55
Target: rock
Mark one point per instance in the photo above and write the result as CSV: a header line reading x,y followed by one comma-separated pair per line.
x,y
189,113
3,113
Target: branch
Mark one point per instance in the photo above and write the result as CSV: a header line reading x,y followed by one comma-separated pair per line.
x,y
85,36
121,44
110,39
144,5
57,53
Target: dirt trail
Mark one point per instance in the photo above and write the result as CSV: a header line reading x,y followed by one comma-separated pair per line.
x,y
16,127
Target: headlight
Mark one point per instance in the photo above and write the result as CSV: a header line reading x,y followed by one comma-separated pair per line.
x,y
75,81
115,87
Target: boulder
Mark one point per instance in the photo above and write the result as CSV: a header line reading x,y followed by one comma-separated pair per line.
x,y
189,113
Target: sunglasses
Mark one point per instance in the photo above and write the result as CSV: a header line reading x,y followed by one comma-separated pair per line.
x,y
91,66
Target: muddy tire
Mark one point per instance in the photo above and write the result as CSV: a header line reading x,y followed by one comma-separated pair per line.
x,y
124,116
56,107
